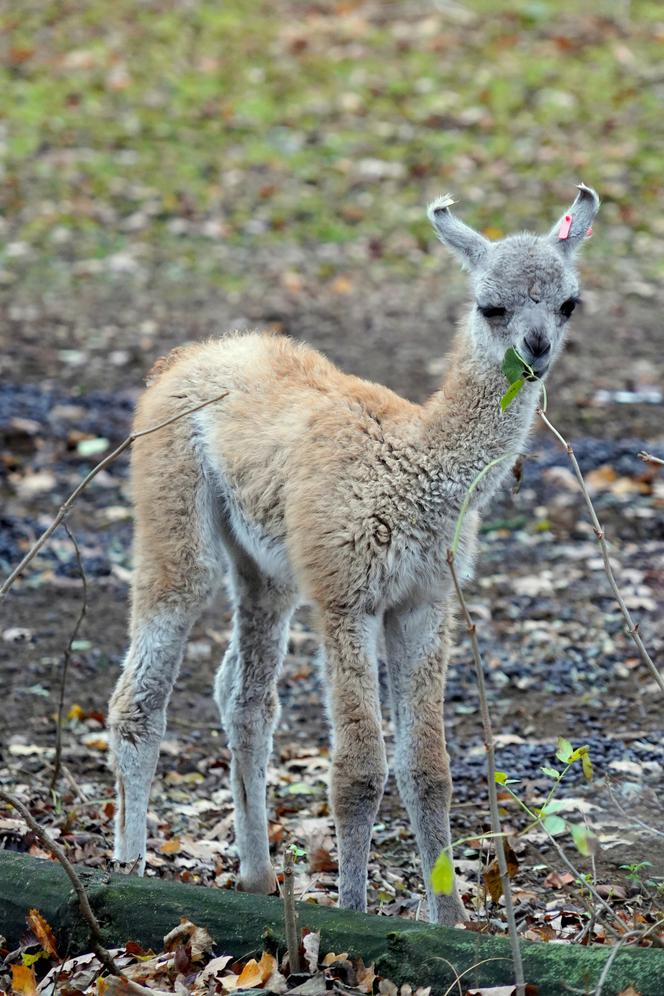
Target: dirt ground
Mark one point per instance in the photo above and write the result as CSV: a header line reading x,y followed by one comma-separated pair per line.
x,y
558,660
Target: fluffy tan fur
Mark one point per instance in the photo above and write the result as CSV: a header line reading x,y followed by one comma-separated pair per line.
x,y
316,484
305,482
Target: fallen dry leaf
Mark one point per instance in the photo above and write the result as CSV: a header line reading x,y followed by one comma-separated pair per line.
x,y
366,978
276,984
254,973
171,846
41,928
608,891
557,880
250,975
602,477
213,968
311,945
188,932
267,965
331,957
341,285
501,991
24,980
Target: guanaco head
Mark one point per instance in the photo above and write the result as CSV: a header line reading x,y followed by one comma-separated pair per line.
x,y
525,286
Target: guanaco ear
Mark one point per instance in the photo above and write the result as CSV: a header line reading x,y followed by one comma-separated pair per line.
x,y
574,226
469,245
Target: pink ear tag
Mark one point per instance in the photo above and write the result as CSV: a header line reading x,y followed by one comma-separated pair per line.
x,y
589,232
565,226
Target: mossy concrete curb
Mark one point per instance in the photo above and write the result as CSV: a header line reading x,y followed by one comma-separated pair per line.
x,y
130,908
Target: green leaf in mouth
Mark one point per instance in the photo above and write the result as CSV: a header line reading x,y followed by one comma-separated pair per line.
x,y
514,366
517,372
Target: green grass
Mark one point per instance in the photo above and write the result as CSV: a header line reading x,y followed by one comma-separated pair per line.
x,y
141,122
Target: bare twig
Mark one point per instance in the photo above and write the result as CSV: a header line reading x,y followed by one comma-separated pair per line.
x,y
590,909
290,914
67,658
566,861
641,934
98,946
76,789
577,875
630,816
457,981
632,627
649,458
120,986
593,865
67,504
469,493
491,781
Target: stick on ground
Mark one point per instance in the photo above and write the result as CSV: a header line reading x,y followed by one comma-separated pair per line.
x,y
491,783
290,914
632,627
65,508
104,955
66,659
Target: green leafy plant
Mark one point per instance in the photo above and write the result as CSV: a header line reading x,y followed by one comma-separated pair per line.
x,y
638,875
546,816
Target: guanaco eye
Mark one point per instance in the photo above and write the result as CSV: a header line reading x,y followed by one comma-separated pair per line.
x,y
492,311
568,307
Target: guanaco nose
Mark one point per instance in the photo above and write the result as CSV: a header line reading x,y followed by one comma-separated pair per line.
x,y
537,343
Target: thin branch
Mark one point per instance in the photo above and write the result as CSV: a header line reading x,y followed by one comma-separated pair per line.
x,y
457,981
630,816
491,780
537,820
67,658
577,875
593,866
290,914
632,627
98,946
120,986
67,504
466,501
631,935
545,860
649,458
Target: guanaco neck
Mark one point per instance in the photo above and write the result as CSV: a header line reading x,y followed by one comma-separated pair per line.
x,y
465,428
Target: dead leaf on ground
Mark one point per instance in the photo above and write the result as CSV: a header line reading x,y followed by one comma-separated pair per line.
x,y
331,957
213,968
311,945
558,880
187,932
491,874
41,928
171,846
24,980
250,975
366,978
531,990
608,891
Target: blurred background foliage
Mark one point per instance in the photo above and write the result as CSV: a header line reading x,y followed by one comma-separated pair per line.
x,y
167,135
